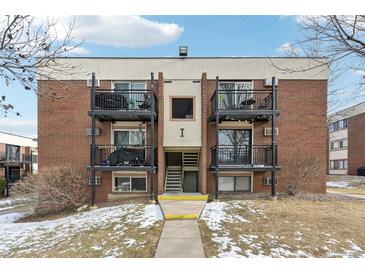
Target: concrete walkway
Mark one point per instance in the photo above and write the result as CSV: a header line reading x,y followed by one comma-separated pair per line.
x,y
180,236
180,239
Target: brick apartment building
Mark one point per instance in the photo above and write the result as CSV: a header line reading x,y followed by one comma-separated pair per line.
x,y
18,156
346,140
185,124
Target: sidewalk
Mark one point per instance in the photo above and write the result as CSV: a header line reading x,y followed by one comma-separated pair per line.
x,y
180,236
180,239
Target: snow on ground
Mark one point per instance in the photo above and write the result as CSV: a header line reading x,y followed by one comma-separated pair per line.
x,y
339,184
28,238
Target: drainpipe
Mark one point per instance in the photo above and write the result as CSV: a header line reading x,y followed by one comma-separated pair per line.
x,y
273,139
93,137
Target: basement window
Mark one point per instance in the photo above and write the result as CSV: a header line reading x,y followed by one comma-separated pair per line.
x,y
182,108
234,183
130,184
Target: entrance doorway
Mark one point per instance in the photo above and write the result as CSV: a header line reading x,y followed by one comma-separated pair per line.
x,y
182,172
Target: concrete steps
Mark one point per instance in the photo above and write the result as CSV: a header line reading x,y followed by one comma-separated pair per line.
x,y
178,207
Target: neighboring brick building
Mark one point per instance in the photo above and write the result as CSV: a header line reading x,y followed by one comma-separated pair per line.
x,y
188,101
18,156
346,140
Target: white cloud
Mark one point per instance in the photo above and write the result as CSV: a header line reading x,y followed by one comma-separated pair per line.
x,y
79,50
16,122
124,31
288,49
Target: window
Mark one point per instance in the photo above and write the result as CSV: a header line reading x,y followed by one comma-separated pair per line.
x,y
338,164
129,137
182,108
134,93
234,183
342,124
129,184
13,152
232,94
332,145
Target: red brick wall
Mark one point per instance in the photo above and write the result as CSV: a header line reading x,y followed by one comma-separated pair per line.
x,y
356,143
61,129
302,131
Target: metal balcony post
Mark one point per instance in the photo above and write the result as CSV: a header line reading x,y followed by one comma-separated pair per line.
x,y
93,137
152,139
7,170
216,137
273,139
31,162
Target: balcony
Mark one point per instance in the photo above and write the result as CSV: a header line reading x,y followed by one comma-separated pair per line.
x,y
243,157
233,104
16,159
125,157
125,105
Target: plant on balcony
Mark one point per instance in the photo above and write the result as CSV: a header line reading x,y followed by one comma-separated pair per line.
x,y
54,190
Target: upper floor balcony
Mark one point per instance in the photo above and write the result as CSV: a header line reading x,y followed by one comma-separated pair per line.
x,y
124,157
125,105
18,158
239,104
243,157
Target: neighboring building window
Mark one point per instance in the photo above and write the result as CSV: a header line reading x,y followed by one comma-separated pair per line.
x,y
338,164
339,144
13,152
182,108
338,125
129,184
234,183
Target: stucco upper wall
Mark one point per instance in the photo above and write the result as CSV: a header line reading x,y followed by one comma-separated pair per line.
x,y
192,68
17,140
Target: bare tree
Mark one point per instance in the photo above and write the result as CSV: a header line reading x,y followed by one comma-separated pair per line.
x,y
341,39
29,49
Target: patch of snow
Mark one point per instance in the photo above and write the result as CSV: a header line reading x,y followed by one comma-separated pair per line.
x,y
339,184
10,218
6,208
46,235
129,242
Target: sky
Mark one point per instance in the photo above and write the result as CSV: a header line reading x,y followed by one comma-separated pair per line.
x,y
142,36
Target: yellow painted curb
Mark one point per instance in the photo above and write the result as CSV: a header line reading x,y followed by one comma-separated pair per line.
x,y
181,216
182,197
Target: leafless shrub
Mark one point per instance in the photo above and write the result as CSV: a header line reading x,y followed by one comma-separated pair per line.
x,y
53,191
303,171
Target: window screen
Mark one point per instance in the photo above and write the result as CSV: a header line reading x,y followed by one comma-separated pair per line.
x,y
182,108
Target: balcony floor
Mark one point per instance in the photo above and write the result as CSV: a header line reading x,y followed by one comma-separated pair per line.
x,y
124,115
244,168
255,115
121,168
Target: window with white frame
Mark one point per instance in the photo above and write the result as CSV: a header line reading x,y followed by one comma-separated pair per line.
x,y
234,183
134,92
124,137
130,184
338,164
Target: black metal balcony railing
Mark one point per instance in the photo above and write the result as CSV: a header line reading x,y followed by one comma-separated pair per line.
x,y
18,158
126,155
124,100
241,100
243,155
